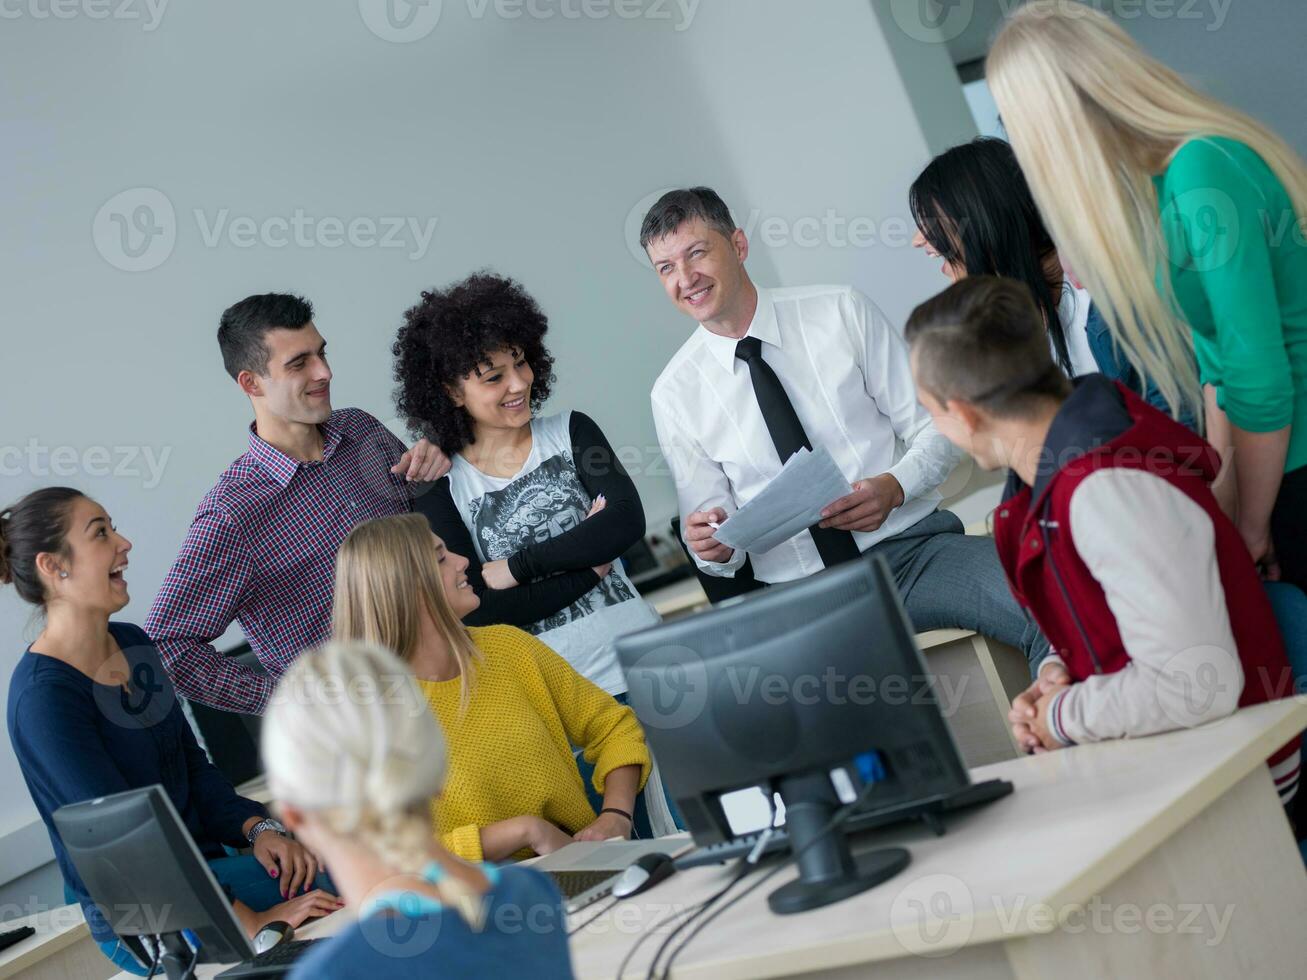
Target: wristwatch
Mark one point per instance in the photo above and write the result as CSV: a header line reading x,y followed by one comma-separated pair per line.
x,y
268,823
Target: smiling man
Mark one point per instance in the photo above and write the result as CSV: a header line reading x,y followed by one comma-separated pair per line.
x,y
770,371
262,548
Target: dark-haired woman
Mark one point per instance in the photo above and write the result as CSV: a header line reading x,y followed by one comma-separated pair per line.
x,y
540,504
91,712
974,210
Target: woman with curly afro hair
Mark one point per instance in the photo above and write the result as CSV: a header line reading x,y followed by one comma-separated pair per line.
x,y
538,504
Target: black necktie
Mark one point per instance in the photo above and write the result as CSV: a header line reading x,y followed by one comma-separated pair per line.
x,y
788,436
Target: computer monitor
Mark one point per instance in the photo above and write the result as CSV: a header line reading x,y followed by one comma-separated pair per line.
x,y
143,870
813,689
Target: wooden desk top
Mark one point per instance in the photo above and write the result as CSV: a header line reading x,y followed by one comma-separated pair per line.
x,y
1078,819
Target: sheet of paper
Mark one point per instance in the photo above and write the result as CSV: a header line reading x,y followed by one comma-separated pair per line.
x,y
790,503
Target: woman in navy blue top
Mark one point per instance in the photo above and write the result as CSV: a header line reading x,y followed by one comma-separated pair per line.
x,y
356,777
92,712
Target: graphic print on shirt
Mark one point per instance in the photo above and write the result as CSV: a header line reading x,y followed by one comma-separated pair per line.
x,y
543,504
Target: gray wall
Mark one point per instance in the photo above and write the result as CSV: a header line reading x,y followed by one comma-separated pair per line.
x,y
533,142
1245,52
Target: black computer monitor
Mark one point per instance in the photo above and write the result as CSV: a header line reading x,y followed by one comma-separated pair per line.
x,y
812,689
144,872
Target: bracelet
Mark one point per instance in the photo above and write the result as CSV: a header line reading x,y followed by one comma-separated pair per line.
x,y
620,813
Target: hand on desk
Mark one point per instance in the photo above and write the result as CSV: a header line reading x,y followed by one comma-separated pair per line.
x,y
1029,714
867,507
606,827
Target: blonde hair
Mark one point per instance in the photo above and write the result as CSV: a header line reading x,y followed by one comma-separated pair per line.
x,y
349,737
387,574
1092,118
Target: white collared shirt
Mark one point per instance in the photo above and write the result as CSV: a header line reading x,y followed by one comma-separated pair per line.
x,y
846,371
1073,311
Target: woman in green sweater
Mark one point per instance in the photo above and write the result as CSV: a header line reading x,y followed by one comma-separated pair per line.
x,y
1187,222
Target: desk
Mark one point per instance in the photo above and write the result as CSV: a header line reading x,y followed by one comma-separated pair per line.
x,y
62,948
1161,857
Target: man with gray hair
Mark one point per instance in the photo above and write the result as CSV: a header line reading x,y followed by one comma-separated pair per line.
x,y
771,371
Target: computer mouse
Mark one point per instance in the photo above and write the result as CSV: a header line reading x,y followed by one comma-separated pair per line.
x,y
643,875
272,934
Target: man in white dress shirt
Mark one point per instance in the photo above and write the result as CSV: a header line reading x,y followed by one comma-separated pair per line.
x,y
770,370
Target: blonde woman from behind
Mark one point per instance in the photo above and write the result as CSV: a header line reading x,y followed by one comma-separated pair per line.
x,y
510,707
355,759
1187,222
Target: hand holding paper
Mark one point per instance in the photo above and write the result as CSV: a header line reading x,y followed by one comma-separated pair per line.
x,y
792,502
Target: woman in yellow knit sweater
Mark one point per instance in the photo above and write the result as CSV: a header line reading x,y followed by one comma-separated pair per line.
x,y
511,708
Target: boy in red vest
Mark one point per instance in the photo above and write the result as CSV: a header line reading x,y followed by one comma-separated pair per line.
x,y
1108,532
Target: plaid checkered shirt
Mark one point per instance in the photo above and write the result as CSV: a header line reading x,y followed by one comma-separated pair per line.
x,y
262,551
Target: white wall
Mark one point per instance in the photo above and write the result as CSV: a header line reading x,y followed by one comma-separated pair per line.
x,y
531,141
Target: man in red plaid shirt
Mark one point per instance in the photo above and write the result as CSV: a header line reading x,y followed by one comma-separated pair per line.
x,y
261,550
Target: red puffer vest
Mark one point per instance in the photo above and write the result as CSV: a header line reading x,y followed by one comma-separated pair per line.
x,y
1103,425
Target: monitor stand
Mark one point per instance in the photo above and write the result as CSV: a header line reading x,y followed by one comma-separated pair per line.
x,y
177,958
828,871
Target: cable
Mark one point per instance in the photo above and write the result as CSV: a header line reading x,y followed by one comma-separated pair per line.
x,y
835,822
745,866
573,932
154,963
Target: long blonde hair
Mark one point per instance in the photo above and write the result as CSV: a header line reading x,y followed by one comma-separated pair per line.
x,y
1092,118
349,737
387,574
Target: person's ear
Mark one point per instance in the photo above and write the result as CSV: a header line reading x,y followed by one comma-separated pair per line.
x,y
966,415
455,393
50,566
740,242
249,383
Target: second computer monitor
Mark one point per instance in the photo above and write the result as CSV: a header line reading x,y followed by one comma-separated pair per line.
x,y
820,675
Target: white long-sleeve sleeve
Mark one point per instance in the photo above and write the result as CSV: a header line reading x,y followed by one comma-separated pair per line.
x,y
1152,550
928,456
700,482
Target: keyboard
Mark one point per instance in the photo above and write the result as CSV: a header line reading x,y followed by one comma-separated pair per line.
x,y
930,810
274,962
573,883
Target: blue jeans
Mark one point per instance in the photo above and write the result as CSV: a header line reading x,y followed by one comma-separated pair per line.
x,y
243,879
1290,607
